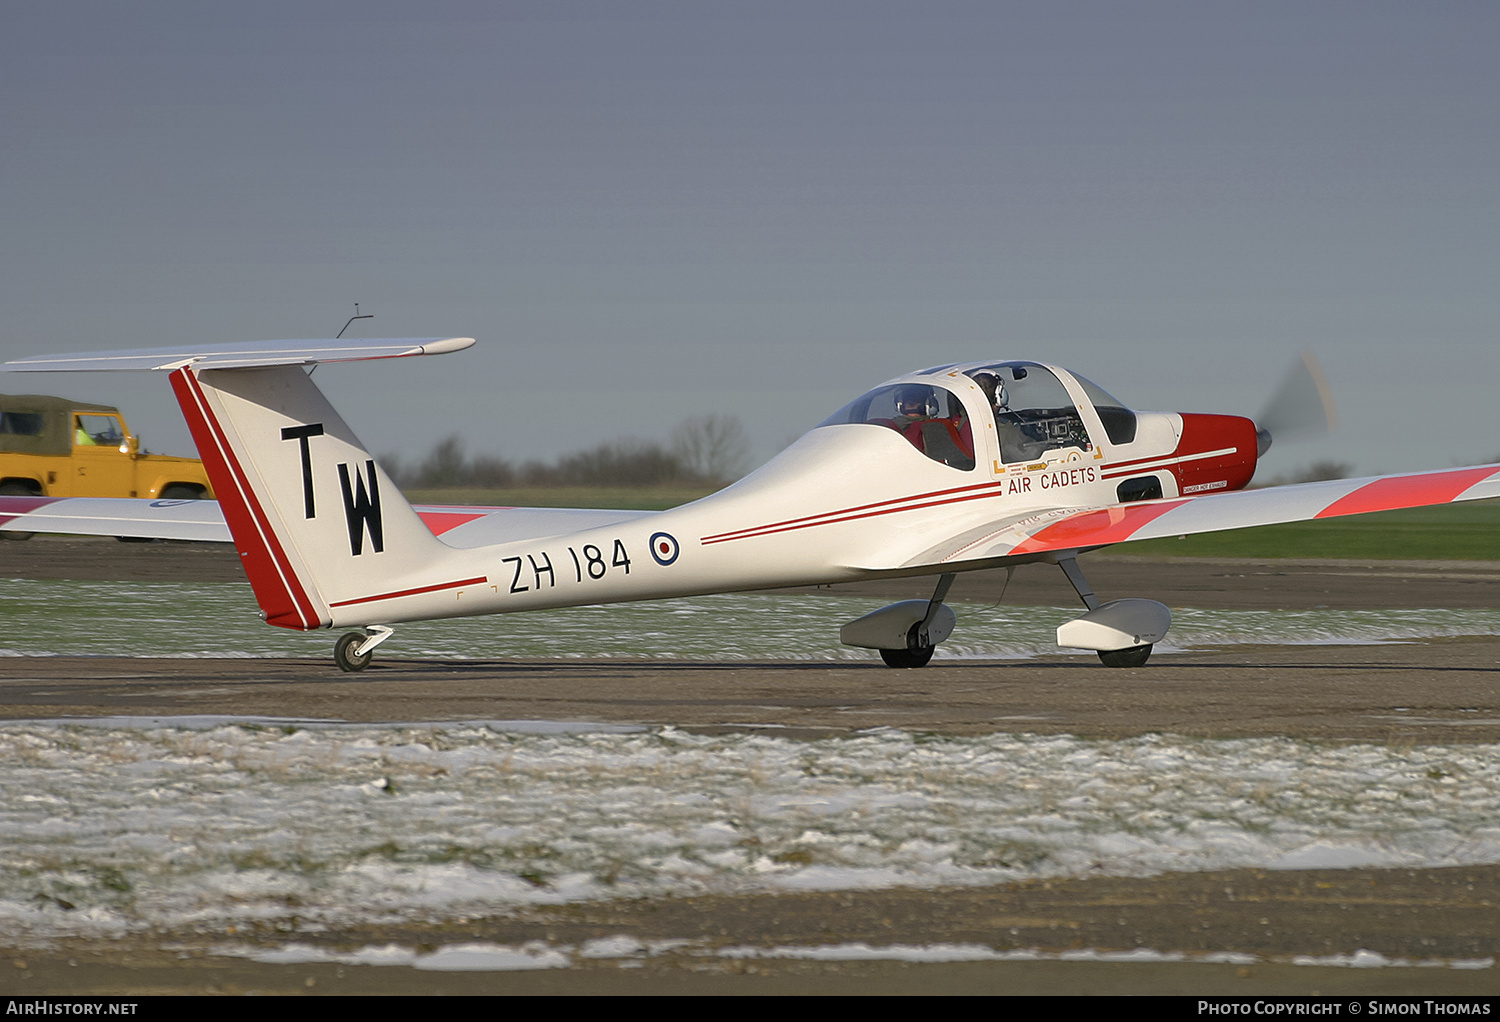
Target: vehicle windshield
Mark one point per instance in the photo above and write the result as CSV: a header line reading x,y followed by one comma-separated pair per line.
x,y
932,419
1033,412
97,430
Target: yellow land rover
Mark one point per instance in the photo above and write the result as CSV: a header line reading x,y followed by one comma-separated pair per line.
x,y
53,447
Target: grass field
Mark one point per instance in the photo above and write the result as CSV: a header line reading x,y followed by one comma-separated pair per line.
x,y
1453,532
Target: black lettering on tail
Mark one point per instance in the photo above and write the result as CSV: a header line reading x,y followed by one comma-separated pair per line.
x,y
362,509
300,434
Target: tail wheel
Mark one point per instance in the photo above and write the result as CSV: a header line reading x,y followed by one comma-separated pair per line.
x,y
1131,656
344,655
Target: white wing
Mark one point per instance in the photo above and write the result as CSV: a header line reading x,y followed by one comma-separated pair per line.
x,y
108,516
1089,527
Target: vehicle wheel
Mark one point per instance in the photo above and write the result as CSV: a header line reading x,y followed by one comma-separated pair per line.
x,y
907,657
1131,656
344,655
16,490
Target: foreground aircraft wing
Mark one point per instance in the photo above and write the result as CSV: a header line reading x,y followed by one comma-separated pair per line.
x,y
461,526
115,516
1086,528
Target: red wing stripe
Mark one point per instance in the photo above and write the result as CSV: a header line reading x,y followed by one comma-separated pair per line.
x,y
1407,491
14,507
412,592
1096,528
440,522
247,519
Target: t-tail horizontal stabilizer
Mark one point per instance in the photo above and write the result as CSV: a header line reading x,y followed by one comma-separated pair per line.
x,y
241,355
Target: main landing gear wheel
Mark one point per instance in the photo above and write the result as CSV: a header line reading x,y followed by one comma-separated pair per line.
x,y
907,657
344,652
916,653
924,635
1132,656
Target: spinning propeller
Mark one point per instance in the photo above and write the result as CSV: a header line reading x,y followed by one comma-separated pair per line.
x,y
1301,407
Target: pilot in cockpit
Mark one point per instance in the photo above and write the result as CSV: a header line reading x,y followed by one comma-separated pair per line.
x,y
991,385
913,404
919,418
1014,443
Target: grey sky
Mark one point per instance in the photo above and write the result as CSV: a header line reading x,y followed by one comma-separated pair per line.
x,y
648,210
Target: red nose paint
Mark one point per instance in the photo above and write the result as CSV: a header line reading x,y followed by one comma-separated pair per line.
x,y
1216,452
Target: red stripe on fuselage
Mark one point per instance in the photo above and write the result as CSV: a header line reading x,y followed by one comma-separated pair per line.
x,y
1134,463
919,501
412,592
1164,463
277,588
883,507
1407,491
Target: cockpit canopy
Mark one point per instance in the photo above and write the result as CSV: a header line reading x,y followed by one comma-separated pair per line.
x,y
1032,410
931,418
1119,421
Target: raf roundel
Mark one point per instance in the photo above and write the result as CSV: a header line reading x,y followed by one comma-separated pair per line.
x,y
663,549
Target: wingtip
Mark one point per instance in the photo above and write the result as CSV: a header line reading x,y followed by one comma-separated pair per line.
x,y
446,345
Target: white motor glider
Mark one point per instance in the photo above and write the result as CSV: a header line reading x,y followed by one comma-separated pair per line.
x,y
950,469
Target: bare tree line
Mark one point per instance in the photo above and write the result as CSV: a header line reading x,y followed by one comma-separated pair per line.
x,y
702,450
1316,472
705,450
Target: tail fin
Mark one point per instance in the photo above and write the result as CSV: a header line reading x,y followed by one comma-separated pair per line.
x,y
317,523
324,535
